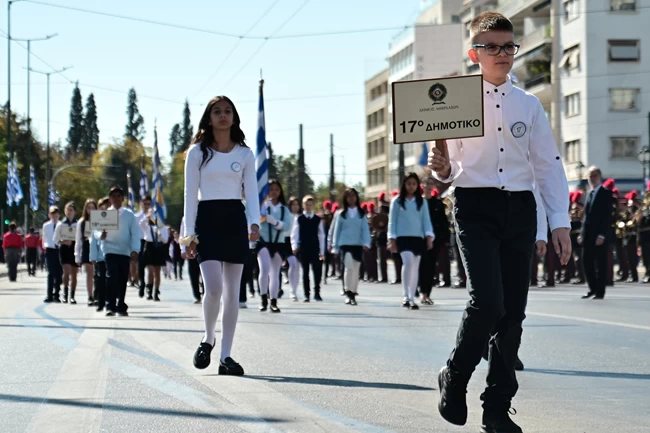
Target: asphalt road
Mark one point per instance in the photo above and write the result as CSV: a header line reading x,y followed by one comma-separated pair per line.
x,y
318,367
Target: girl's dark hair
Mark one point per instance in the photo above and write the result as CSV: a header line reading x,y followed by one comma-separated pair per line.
x,y
401,199
70,205
86,213
293,200
279,185
205,136
348,193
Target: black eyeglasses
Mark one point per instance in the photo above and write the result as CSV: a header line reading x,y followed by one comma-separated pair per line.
x,y
495,50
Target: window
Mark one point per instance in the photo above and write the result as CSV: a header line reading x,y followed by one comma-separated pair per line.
x,y
572,151
624,99
369,121
571,10
572,105
571,58
623,5
380,120
468,25
624,50
624,147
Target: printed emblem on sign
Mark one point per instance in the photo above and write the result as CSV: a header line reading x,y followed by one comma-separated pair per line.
x,y
437,93
103,214
518,129
236,167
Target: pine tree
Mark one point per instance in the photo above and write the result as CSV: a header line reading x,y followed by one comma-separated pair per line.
x,y
175,139
75,132
273,170
135,123
90,141
187,130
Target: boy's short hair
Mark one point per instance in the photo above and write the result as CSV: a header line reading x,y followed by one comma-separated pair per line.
x,y
54,209
489,21
307,198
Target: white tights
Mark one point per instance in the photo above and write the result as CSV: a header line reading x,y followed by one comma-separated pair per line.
x,y
294,274
269,278
410,273
351,278
217,276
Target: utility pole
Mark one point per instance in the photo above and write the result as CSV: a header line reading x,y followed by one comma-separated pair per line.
x,y
301,168
556,89
400,169
332,185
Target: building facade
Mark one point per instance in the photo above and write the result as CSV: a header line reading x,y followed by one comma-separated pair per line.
x,y
377,128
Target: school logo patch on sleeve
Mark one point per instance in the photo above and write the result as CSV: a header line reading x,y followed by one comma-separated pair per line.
x,y
236,167
518,129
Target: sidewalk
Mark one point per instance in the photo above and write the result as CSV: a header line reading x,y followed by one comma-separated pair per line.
x,y
4,273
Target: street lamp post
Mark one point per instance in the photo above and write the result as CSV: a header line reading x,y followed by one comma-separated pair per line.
x,y
644,159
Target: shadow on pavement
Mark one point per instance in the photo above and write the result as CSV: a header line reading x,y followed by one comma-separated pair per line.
x,y
340,382
601,374
136,409
104,328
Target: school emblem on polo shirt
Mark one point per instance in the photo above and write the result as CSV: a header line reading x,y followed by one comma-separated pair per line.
x,y
518,129
236,167
437,93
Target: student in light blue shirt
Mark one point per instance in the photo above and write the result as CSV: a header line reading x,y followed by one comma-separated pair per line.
x,y
409,233
96,257
351,238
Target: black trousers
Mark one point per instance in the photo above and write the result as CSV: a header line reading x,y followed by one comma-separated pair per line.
x,y
31,256
12,257
428,270
178,268
632,258
54,272
645,255
194,271
117,277
595,263
312,259
141,265
496,237
99,278
247,277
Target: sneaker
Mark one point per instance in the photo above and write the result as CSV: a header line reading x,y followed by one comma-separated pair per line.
x,y
453,396
243,305
498,421
230,368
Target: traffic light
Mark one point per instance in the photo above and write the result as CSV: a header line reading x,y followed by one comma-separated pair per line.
x,y
6,222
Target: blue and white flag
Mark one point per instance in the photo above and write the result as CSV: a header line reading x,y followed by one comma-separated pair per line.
x,y
144,183
424,157
18,190
261,154
130,201
157,186
51,195
33,190
10,182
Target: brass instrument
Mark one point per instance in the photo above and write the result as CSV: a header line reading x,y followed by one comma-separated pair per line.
x,y
621,229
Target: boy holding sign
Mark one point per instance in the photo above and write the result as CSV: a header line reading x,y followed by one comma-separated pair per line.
x,y
495,211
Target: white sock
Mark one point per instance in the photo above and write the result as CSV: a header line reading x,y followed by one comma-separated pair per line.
x,y
351,273
410,272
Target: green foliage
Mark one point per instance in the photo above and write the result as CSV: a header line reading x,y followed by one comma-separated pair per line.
x,y
287,173
90,141
186,129
76,129
134,130
174,189
175,139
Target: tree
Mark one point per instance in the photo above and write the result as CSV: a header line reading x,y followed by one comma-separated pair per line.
x,y
90,140
175,139
186,129
135,123
76,130
273,170
287,174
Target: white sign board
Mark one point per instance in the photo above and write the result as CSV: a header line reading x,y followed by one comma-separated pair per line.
x,y
105,219
69,233
438,108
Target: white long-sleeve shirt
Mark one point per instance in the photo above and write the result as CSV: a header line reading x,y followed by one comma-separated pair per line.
x,y
517,150
148,231
64,223
49,228
220,179
80,237
295,234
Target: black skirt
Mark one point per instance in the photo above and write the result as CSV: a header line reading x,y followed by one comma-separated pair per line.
x,y
66,255
282,248
154,255
85,252
355,250
415,245
222,230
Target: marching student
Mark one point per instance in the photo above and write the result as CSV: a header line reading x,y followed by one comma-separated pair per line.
x,y
379,225
370,257
192,266
32,245
12,245
495,210
272,247
53,263
351,238
96,257
216,231
119,247
66,251
428,272
156,237
327,217
292,261
82,247
145,205
308,243
410,234
177,257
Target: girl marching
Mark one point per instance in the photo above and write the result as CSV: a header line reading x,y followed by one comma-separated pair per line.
x,y
82,247
409,233
156,251
66,230
292,260
273,249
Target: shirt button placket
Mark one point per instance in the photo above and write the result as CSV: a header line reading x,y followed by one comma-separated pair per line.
x,y
500,140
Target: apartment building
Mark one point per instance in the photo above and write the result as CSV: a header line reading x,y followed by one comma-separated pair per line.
x,y
377,128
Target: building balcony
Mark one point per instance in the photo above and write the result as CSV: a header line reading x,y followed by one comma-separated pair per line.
x,y
540,86
377,104
513,8
532,41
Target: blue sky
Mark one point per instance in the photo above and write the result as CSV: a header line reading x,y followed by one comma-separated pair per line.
x,y
174,64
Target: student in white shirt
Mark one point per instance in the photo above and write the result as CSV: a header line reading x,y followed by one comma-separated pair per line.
x,y
66,251
494,178
293,270
155,253
216,230
308,243
52,261
82,247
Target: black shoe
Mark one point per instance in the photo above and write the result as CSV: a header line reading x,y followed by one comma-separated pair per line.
x,y
65,299
100,309
317,297
229,367
306,300
519,366
588,296
499,422
265,303
274,306
453,396
57,300
343,292
149,298
156,298
91,302
460,284
413,306
123,313
110,313
141,292
598,298
73,301
48,300
202,355
353,298
280,293
405,303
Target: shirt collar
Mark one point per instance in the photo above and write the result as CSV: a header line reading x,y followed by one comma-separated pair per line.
x,y
504,89
120,211
309,214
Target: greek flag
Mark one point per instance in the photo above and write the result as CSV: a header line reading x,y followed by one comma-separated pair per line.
x,y
261,155
424,157
144,184
33,190
10,182
158,200
51,195
18,190
130,201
